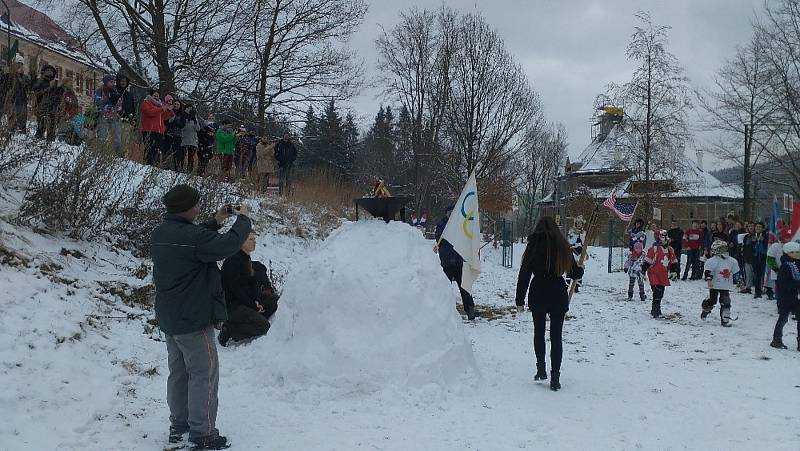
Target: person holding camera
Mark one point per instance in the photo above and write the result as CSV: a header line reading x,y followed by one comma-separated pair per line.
x,y
190,304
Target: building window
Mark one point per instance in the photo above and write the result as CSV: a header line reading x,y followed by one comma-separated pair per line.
x,y
78,82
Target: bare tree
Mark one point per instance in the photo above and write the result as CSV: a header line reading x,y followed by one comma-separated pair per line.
x,y
780,32
539,161
415,59
289,54
180,43
739,104
490,101
656,102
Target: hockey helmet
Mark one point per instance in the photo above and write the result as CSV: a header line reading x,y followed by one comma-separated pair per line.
x,y
719,247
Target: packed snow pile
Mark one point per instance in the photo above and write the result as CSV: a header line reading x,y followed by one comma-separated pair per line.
x,y
370,309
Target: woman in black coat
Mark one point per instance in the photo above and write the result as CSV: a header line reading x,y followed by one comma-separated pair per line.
x,y
547,258
249,295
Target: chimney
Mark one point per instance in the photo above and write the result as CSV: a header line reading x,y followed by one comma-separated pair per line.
x,y
700,159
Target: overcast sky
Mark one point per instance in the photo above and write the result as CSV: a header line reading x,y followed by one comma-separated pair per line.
x,y
571,49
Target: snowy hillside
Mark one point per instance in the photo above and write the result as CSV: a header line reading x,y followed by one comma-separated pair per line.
x,y
81,368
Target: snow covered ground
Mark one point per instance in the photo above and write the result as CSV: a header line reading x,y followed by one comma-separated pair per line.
x,y
74,379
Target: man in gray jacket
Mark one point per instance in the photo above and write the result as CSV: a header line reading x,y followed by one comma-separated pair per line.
x,y
190,303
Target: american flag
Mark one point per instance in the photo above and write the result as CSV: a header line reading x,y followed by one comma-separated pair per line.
x,y
623,211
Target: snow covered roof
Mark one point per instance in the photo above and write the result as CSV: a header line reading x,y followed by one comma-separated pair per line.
x,y
601,154
36,27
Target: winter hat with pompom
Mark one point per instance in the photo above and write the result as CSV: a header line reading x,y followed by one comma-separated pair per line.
x,y
791,247
168,98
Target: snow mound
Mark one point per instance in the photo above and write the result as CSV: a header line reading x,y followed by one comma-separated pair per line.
x,y
371,309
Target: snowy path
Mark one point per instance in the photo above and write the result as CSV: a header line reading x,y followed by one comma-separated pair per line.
x,y
629,383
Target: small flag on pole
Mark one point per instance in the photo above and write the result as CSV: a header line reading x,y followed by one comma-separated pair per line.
x,y
795,231
463,231
624,211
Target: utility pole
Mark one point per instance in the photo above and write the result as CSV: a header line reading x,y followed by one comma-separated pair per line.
x,y
748,173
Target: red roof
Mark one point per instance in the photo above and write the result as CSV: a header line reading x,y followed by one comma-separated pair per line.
x,y
39,23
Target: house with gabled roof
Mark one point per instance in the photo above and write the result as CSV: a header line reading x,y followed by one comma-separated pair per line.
x,y
692,193
42,41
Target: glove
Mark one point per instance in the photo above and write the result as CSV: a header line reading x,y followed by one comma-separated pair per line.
x,y
673,276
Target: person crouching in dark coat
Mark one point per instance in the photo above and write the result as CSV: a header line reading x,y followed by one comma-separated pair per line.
x,y
453,264
547,258
249,295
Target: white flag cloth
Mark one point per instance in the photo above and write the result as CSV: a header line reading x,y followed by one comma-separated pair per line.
x,y
463,231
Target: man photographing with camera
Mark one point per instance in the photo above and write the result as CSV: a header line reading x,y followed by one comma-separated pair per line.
x,y
190,303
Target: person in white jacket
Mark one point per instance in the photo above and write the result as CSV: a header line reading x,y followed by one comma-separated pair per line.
x,y
719,272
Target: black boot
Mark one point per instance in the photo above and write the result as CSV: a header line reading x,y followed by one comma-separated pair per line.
x,y
541,373
224,336
655,311
798,343
555,385
218,442
777,343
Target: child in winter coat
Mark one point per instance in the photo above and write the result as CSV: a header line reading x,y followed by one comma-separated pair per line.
x,y
719,272
661,266
633,266
788,292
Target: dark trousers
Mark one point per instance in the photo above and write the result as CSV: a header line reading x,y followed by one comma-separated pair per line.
x,y
658,292
152,148
693,263
176,151
46,126
783,318
454,274
724,297
190,152
285,181
759,269
244,322
556,349
203,157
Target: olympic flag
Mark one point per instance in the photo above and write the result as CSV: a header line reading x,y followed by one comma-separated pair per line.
x,y
463,231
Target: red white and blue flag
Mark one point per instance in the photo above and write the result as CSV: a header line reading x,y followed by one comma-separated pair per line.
x,y
623,210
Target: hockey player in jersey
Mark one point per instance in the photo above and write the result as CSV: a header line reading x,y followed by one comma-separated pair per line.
x,y
719,272
661,266
576,237
633,266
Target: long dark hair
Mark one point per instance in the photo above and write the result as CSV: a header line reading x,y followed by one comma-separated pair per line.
x,y
547,239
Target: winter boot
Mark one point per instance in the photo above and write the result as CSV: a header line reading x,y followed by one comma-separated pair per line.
x,y
798,343
725,316
706,309
778,344
655,311
218,442
555,384
541,373
176,437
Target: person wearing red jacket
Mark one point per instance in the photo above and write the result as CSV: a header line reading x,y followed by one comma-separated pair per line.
x,y
693,239
661,266
152,126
